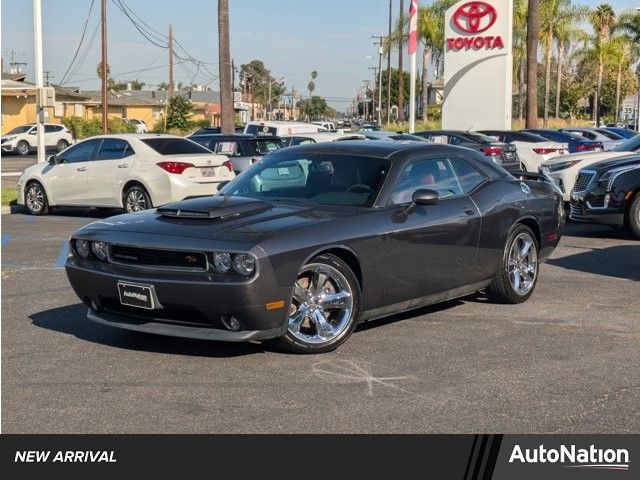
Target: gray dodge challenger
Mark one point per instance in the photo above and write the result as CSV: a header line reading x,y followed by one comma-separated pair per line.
x,y
315,239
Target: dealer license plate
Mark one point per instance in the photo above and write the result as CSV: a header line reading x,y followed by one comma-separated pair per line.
x,y
140,296
208,172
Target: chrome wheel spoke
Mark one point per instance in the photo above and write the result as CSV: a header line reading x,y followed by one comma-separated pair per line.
x,y
526,248
296,320
338,300
299,293
323,328
318,279
522,267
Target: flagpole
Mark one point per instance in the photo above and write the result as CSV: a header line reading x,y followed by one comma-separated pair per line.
x,y
413,48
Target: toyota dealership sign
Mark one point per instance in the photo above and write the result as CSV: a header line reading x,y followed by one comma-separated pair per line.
x,y
478,65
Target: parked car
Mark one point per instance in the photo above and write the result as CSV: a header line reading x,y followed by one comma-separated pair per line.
x,y
141,126
243,150
319,137
608,192
211,130
608,139
134,172
623,132
277,129
501,153
326,126
393,136
370,127
564,170
24,139
315,239
577,143
532,149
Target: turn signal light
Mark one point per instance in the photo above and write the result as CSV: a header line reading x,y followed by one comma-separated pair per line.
x,y
175,167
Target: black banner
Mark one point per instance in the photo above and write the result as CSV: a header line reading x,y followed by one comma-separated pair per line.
x,y
464,457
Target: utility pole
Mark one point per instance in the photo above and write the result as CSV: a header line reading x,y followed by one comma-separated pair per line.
x,y
376,91
48,77
37,43
224,55
233,80
389,64
379,44
400,67
170,86
105,69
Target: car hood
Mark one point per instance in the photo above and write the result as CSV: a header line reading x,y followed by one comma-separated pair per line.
x,y
586,157
233,220
621,160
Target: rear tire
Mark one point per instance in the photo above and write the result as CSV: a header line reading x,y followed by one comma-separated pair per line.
x,y
633,216
61,145
325,306
35,199
136,199
23,148
517,274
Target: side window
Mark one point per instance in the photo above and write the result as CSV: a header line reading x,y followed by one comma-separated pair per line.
x,y
467,176
82,152
114,149
51,129
433,174
230,149
453,140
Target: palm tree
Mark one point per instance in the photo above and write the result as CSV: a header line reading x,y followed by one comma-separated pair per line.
x,y
630,24
620,53
311,86
520,50
548,13
224,56
533,34
602,19
567,31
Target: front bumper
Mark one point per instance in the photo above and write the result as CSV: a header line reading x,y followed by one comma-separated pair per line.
x,y
581,213
8,147
190,306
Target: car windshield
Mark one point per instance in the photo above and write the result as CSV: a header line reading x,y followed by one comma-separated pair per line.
x,y
478,137
174,146
631,145
21,129
264,146
325,179
608,134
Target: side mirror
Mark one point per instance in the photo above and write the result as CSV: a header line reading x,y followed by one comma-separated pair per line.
x,y
52,160
33,132
425,197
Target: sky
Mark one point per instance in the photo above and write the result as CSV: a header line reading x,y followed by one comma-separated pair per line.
x,y
292,37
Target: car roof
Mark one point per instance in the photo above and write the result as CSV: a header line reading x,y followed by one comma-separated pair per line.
x,y
237,136
374,149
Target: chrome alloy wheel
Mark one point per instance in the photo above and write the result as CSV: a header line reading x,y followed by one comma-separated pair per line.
x,y
34,198
322,304
523,264
135,201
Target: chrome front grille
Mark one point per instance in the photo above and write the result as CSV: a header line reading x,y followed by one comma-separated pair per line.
x,y
159,259
583,180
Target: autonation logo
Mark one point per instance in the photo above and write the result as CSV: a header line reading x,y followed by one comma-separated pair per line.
x,y
573,457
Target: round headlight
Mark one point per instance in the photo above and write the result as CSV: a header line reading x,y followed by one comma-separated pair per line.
x,y
99,249
83,248
244,264
222,262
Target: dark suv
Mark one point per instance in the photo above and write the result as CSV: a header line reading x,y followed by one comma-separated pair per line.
x,y
608,192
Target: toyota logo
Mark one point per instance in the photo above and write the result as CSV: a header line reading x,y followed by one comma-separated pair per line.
x,y
475,17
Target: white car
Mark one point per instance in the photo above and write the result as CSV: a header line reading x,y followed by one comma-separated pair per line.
x,y
564,170
141,126
278,128
326,126
24,139
532,149
134,172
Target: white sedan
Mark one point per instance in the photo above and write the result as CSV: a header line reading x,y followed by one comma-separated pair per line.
x,y
532,149
134,172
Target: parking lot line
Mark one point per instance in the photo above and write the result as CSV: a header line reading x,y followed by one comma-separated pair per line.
x,y
5,239
62,257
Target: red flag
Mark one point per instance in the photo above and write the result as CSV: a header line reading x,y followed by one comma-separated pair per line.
x,y
413,27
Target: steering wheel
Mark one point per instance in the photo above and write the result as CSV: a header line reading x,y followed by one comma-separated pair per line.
x,y
359,186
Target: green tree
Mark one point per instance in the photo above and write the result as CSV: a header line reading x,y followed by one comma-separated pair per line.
x,y
629,23
311,86
315,108
178,113
602,20
257,78
137,84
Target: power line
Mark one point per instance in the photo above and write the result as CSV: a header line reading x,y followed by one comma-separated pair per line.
x,y
84,53
84,31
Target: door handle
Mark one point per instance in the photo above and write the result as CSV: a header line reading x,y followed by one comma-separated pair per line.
x,y
81,169
469,211
124,165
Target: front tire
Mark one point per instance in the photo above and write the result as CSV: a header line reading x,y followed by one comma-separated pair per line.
x,y
23,148
35,199
633,218
517,274
136,199
61,145
325,306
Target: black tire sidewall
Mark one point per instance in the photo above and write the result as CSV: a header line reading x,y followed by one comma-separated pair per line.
x,y
632,220
295,345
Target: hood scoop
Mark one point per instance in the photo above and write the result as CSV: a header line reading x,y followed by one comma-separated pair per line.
x,y
213,208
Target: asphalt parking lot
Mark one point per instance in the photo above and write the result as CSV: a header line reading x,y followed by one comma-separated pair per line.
x,y
568,361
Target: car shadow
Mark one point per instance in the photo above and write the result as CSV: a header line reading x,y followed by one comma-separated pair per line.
x,y
592,230
71,212
430,309
71,320
621,261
